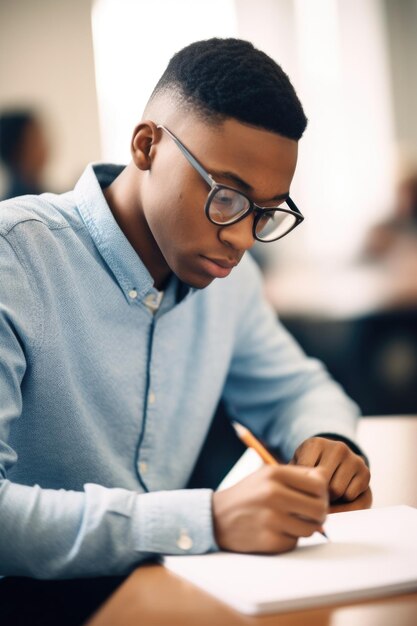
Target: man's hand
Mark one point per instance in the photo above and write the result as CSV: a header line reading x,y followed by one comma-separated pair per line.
x,y
270,509
346,473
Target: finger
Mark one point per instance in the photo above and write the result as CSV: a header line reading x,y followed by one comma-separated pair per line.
x,y
275,542
358,485
301,504
332,457
352,466
305,480
308,454
341,479
295,526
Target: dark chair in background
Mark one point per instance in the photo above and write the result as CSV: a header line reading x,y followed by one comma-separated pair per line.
x,y
385,360
373,357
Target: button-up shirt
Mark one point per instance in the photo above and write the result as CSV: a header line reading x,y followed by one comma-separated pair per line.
x,y
108,388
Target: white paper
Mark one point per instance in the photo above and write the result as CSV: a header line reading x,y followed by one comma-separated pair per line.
x,y
370,553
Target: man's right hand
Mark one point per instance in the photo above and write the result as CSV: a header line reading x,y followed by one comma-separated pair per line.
x,y
270,509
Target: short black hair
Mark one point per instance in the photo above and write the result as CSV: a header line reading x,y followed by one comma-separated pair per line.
x,y
221,78
13,124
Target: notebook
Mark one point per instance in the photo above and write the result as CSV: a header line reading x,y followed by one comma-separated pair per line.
x,y
370,553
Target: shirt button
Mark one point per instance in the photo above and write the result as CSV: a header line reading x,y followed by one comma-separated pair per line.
x,y
133,294
184,541
151,397
143,467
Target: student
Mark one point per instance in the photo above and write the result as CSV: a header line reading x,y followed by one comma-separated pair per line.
x,y
128,309
23,152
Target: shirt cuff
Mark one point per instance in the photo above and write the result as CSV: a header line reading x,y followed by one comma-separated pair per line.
x,y
175,522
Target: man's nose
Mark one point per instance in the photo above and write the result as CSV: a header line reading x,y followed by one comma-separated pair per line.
x,y
239,235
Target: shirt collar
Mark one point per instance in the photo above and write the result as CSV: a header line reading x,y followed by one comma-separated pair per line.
x,y
124,262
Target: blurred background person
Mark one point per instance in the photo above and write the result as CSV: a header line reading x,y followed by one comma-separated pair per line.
x,y
390,246
400,228
24,152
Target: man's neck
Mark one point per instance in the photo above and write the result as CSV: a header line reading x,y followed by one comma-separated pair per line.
x,y
127,211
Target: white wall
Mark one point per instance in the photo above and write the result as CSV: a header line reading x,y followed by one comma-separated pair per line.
x,y
346,166
144,35
46,59
335,53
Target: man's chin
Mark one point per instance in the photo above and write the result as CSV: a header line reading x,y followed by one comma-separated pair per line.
x,y
199,285
196,281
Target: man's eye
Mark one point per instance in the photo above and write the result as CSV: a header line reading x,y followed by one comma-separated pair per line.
x,y
266,217
225,200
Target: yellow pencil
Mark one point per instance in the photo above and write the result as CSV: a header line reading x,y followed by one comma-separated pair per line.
x,y
251,441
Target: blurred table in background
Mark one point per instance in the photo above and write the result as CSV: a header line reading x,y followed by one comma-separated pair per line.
x,y
335,291
361,322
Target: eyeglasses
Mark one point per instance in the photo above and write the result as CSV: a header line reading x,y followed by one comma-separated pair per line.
x,y
226,206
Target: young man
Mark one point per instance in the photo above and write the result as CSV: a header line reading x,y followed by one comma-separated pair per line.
x,y
128,310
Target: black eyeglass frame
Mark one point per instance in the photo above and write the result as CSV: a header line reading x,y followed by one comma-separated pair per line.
x,y
253,207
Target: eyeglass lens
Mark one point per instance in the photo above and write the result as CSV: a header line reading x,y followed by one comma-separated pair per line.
x,y
227,206
274,224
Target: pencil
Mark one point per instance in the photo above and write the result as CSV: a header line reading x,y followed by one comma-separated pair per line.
x,y
251,441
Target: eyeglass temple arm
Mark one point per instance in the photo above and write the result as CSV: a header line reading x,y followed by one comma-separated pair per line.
x,y
293,207
190,157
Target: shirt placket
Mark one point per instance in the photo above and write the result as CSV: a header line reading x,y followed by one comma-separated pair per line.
x,y
152,301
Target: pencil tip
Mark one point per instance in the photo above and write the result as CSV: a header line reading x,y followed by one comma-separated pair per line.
x,y
239,429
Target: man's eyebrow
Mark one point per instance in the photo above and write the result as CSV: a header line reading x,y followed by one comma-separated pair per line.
x,y
241,183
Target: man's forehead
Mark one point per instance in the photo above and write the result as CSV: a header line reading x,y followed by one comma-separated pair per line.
x,y
259,161
237,181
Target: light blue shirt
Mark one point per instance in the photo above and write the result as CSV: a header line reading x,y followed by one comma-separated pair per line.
x,y
105,405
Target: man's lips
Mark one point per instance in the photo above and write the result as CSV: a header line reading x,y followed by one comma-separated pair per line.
x,y
218,268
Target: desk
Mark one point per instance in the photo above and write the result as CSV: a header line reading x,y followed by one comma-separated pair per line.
x,y
152,596
333,292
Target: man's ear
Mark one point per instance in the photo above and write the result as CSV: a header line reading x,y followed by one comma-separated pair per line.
x,y
144,137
